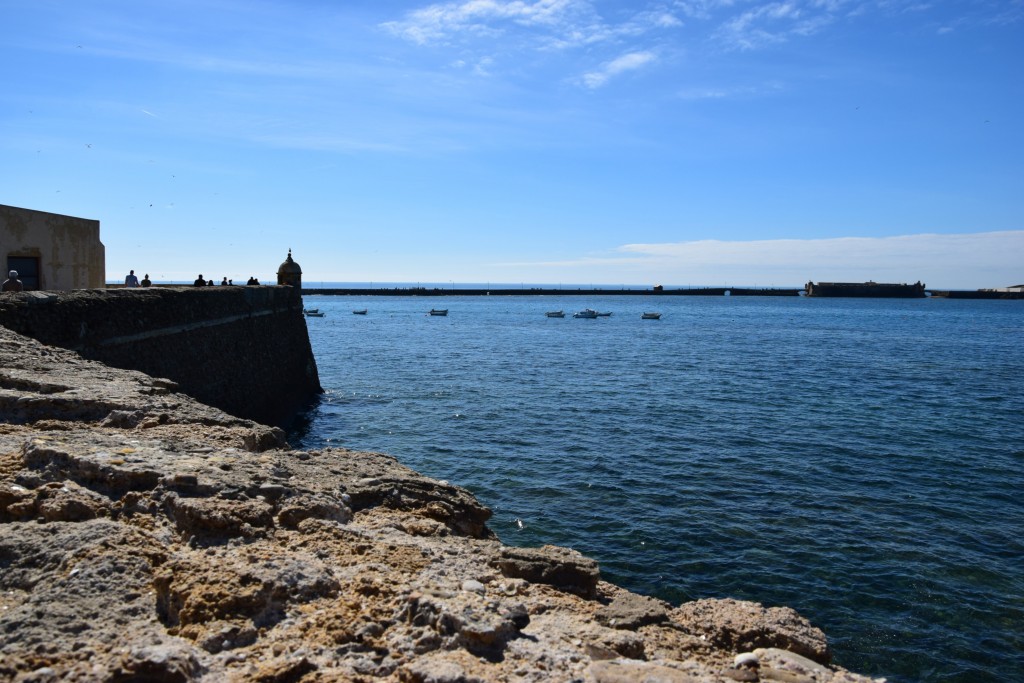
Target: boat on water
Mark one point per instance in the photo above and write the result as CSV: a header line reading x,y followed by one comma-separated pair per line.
x,y
362,312
585,313
604,315
438,311
650,316
314,314
555,314
307,311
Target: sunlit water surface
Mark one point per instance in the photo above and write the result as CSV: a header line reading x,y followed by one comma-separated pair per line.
x,y
858,460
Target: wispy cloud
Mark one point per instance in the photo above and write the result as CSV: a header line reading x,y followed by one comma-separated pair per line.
x,y
627,62
774,22
967,261
550,23
540,26
750,25
557,26
444,21
719,93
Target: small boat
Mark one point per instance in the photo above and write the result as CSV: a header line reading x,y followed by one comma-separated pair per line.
x,y
555,314
650,316
586,313
314,314
362,312
438,311
604,315
307,311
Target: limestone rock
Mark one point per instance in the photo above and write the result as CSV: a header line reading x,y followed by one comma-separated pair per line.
x,y
631,611
627,671
559,567
740,626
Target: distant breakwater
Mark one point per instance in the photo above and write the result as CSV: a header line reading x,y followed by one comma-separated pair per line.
x,y
602,291
543,291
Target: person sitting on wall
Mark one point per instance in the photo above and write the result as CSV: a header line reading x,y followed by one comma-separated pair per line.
x,y
200,282
12,283
210,283
224,281
146,282
251,281
130,280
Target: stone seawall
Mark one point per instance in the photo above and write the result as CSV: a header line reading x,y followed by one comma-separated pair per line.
x,y
244,350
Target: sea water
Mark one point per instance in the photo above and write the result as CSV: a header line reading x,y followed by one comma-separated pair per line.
x,y
859,460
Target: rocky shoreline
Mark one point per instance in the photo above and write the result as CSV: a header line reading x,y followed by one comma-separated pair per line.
x,y
146,536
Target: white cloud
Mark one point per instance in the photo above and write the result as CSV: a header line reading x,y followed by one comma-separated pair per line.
x,y
540,24
627,62
441,21
961,261
773,22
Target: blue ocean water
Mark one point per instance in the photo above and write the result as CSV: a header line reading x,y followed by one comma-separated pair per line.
x,y
859,460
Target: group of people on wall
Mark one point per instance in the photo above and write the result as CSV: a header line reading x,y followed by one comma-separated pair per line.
x,y
131,280
200,282
13,284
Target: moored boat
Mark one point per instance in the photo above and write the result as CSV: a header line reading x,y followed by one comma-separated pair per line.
x,y
650,316
604,315
555,314
362,312
314,314
438,311
585,313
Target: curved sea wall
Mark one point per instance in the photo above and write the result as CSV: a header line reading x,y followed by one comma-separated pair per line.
x,y
147,536
244,350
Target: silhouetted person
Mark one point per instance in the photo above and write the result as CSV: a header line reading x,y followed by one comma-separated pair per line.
x,y
200,282
12,283
231,282
224,281
146,282
130,280
210,283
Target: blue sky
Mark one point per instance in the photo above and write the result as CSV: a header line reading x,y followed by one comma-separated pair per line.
x,y
688,142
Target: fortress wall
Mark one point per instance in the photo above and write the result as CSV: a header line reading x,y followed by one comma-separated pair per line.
x,y
244,350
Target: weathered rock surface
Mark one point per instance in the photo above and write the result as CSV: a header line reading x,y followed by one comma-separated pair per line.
x,y
145,536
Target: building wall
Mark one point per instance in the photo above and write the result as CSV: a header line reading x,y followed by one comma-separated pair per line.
x,y
244,350
68,249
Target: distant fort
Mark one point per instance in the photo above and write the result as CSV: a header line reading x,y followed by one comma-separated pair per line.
x,y
866,289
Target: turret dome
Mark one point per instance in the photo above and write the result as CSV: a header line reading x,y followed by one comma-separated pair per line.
x,y
289,272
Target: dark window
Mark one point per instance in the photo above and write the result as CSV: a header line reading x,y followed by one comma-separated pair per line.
x,y
28,270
